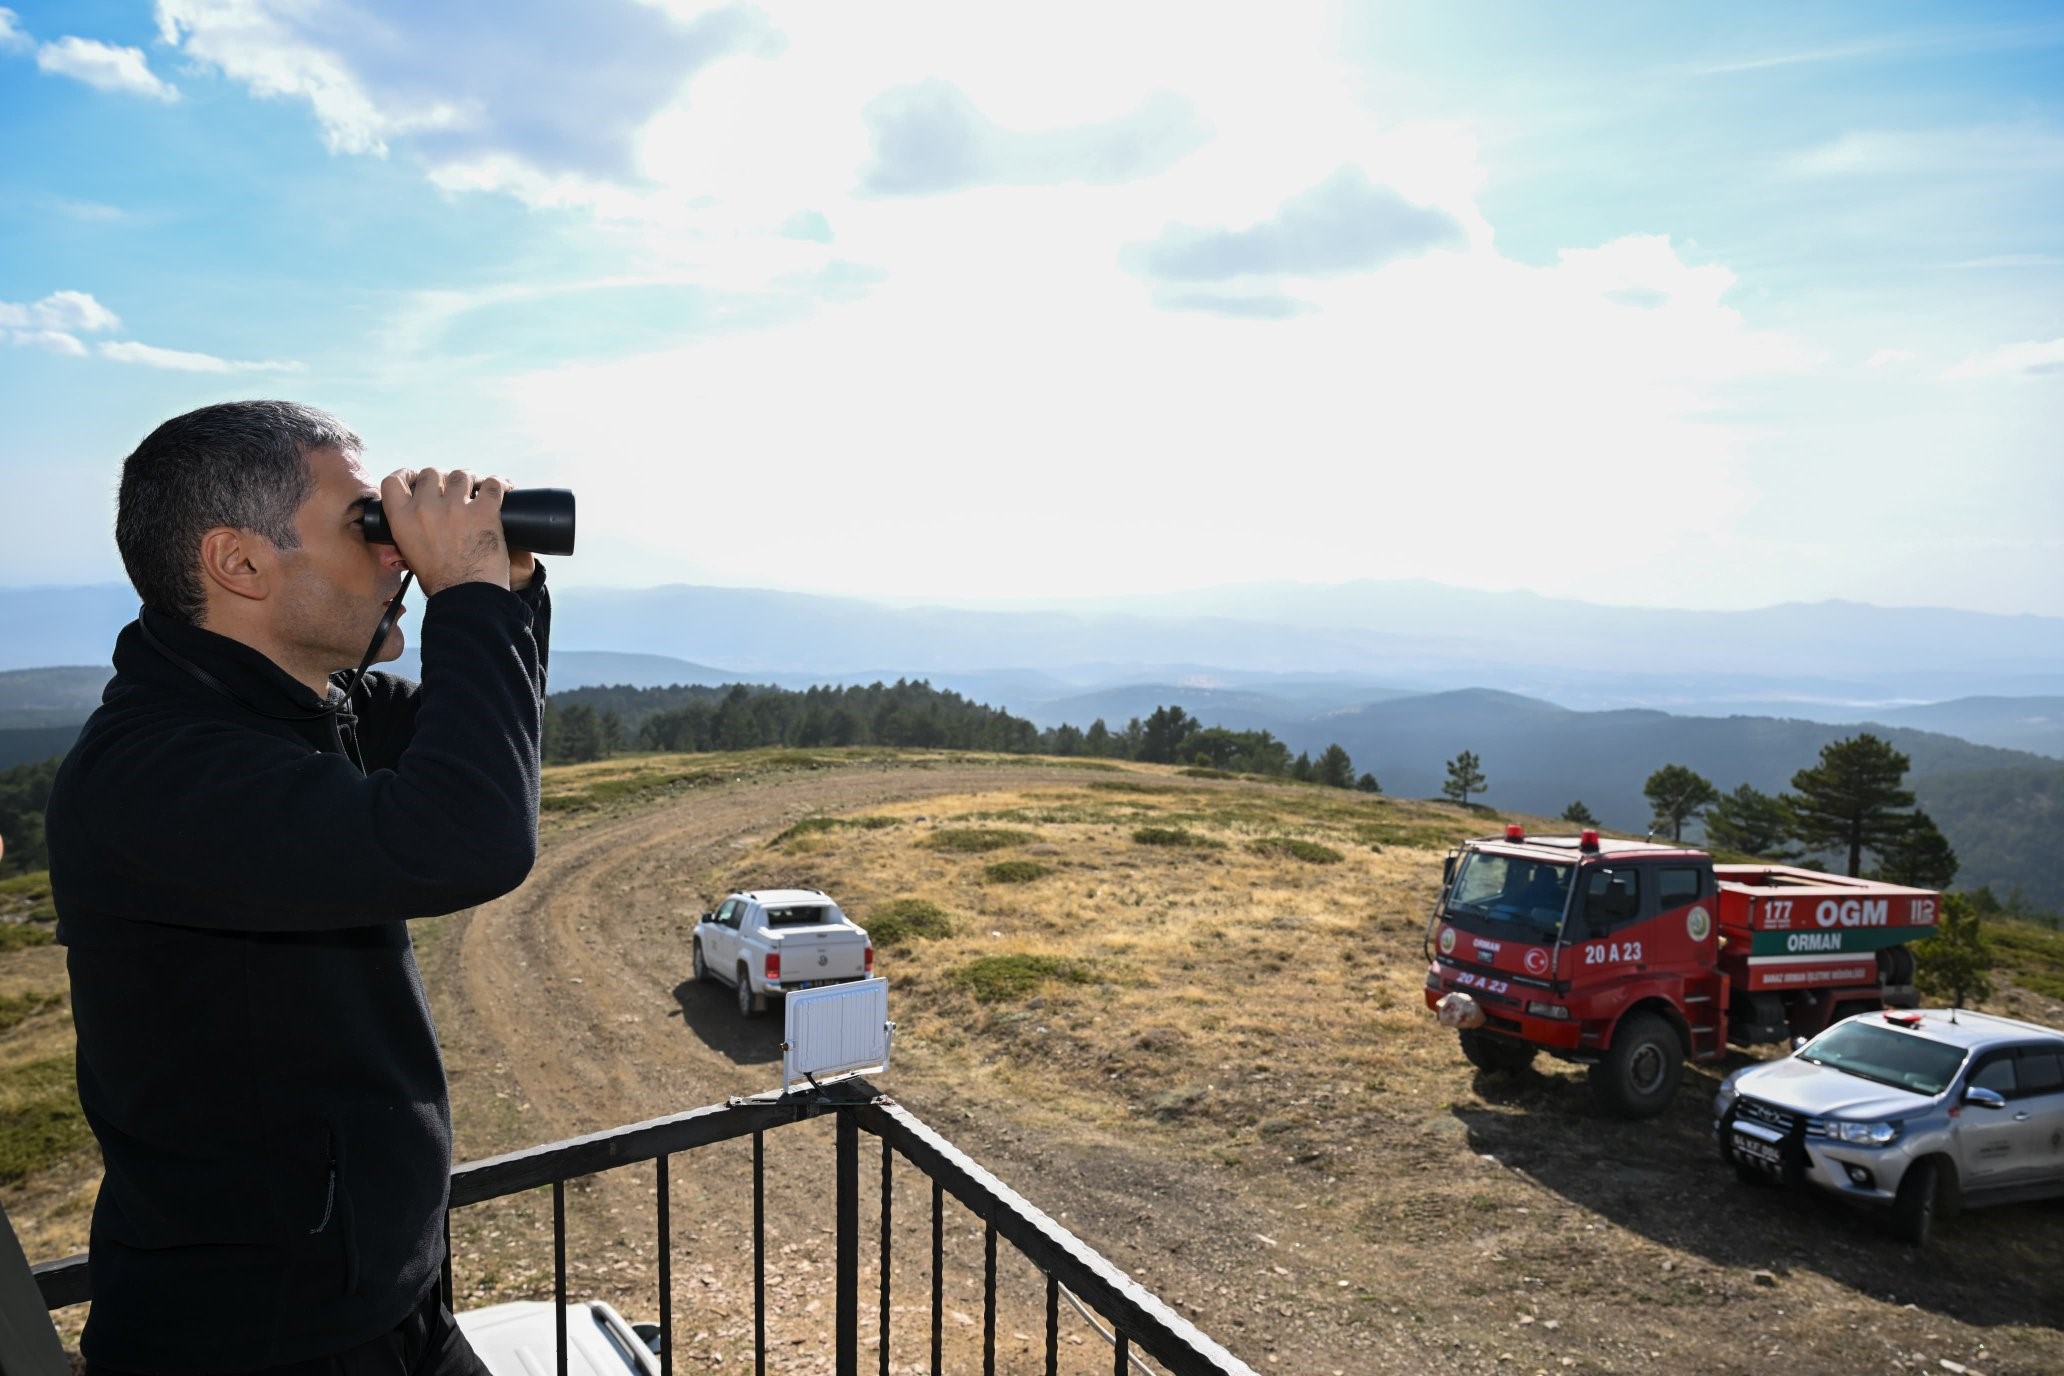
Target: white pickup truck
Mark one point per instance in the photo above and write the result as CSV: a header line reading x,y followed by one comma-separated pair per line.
x,y
776,940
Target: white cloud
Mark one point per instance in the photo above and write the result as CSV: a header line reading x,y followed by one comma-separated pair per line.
x,y
57,341
566,99
2011,149
1885,357
103,67
56,322
180,361
12,39
1398,395
72,312
2032,358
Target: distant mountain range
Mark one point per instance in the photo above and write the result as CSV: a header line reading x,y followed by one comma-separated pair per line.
x,y
1831,657
1561,700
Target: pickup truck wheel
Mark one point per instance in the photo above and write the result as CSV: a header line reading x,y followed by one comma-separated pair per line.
x,y
1489,1051
1913,1208
750,1005
1639,1076
702,971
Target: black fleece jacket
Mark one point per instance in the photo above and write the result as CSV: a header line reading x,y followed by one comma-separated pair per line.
x,y
255,1052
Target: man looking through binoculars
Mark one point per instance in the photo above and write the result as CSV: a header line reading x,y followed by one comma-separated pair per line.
x,y
237,841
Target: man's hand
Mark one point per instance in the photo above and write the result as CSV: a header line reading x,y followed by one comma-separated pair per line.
x,y
448,526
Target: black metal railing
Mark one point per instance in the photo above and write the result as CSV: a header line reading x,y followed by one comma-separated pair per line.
x,y
1136,1318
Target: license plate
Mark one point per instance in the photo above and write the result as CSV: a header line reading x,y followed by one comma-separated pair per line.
x,y
1757,1152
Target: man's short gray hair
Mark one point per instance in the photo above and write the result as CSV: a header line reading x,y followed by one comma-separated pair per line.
x,y
242,464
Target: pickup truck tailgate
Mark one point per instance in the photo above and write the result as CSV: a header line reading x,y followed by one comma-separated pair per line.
x,y
813,954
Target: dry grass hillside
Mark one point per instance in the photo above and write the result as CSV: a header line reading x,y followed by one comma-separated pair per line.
x,y
1184,1016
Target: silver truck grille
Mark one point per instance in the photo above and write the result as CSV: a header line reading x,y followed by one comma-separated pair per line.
x,y
1757,1111
1782,1119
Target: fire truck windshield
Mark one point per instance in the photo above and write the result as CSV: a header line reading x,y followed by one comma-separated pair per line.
x,y
1507,888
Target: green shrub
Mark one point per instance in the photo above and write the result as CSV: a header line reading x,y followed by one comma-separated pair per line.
x,y
976,840
907,919
27,895
810,825
1175,836
1198,771
40,1119
1015,872
992,978
19,1008
1311,852
14,936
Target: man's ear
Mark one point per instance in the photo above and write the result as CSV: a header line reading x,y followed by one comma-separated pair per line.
x,y
237,561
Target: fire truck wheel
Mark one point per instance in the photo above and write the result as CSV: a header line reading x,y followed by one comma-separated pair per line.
x,y
1489,1051
1639,1076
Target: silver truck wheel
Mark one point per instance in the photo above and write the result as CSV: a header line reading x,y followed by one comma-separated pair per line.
x,y
1913,1208
750,1004
701,967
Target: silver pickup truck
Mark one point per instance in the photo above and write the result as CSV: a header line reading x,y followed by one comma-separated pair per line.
x,y
772,941
1905,1110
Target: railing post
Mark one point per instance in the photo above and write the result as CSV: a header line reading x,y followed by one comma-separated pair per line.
x,y
759,1252
848,1302
559,1275
888,1203
938,1272
666,1268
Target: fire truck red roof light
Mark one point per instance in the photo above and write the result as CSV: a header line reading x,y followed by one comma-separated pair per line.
x,y
1588,841
1515,832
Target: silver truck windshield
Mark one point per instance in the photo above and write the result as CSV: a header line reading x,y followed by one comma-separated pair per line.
x,y
1505,888
1904,1060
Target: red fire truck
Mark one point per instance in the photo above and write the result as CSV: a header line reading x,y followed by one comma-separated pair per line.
x,y
1630,956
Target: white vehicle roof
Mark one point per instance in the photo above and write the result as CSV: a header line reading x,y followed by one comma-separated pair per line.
x,y
780,897
1963,1027
520,1339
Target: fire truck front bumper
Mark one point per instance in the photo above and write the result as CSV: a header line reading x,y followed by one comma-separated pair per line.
x,y
1502,1006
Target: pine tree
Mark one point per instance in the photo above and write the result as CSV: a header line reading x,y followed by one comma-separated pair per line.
x,y
1752,823
1367,784
1853,798
1302,769
1677,794
1576,814
1464,778
1162,738
1921,856
1956,962
1335,769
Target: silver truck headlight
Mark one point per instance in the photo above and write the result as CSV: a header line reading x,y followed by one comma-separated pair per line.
x,y
1864,1134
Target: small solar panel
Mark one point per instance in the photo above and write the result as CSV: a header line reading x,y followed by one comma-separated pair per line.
x,y
842,1029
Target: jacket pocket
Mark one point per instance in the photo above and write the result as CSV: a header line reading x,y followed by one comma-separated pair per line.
x,y
335,1217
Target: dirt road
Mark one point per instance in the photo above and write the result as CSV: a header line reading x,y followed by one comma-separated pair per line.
x,y
568,1007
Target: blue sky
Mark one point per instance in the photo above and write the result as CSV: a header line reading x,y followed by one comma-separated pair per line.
x,y
1665,305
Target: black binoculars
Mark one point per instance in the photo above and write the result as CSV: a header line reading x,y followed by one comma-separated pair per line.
x,y
536,519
